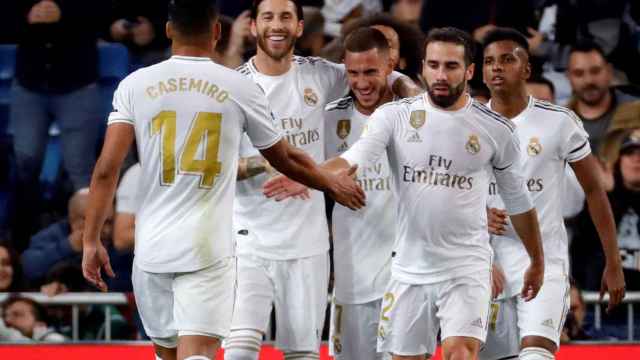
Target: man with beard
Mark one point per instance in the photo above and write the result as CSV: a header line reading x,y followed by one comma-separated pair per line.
x,y
282,247
362,240
443,148
550,137
594,100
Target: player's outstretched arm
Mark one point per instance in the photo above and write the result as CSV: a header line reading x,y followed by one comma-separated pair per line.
x,y
587,171
528,229
403,86
299,166
104,180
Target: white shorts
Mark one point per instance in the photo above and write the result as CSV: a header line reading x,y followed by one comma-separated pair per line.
x,y
412,314
298,290
353,331
191,303
515,319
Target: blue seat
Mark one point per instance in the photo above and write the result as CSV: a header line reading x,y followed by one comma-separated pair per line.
x,y
7,71
113,63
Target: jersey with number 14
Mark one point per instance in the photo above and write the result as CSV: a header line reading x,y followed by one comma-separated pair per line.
x,y
189,115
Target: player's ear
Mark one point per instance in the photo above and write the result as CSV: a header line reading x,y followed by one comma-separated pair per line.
x,y
527,71
254,30
217,30
300,29
168,29
469,72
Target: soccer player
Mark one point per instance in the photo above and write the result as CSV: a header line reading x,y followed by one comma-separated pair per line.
x,y
550,137
443,148
363,240
282,247
187,115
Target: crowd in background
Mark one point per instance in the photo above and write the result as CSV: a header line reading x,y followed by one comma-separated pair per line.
x,y
586,57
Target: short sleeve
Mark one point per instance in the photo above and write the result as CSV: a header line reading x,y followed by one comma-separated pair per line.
x,y
507,168
336,75
260,121
576,147
122,105
374,140
126,195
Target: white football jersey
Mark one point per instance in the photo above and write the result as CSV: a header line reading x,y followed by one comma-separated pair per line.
x,y
362,240
127,193
550,137
441,163
291,228
189,115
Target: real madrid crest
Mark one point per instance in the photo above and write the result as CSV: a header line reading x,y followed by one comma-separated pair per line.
x,y
343,129
310,97
534,148
417,119
473,145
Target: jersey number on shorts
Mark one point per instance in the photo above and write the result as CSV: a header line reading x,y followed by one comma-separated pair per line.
x,y
205,127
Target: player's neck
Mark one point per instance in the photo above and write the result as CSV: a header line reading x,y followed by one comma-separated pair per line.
x,y
267,65
457,105
592,112
385,98
510,103
192,50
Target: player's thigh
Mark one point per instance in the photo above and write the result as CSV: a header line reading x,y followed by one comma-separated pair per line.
x,y
204,300
354,330
502,336
254,294
544,316
408,323
463,306
155,300
301,302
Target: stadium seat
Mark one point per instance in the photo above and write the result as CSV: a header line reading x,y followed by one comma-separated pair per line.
x,y
113,66
7,70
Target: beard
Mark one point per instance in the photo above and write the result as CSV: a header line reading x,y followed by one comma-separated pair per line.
x,y
445,101
276,54
596,96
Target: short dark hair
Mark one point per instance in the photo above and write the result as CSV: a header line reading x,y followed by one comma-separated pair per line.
x,y
256,4
364,39
39,312
585,46
193,17
454,36
505,34
539,79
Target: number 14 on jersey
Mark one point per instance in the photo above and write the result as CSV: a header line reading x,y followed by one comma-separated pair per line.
x,y
204,128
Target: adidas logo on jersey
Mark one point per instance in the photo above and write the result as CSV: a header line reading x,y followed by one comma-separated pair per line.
x,y
477,323
548,323
414,138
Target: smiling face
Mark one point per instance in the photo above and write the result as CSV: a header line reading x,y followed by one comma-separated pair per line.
x,y
277,28
6,269
445,72
367,73
505,67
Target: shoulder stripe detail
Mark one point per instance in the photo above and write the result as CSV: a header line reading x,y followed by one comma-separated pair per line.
x,y
244,69
504,168
340,104
550,106
579,147
494,115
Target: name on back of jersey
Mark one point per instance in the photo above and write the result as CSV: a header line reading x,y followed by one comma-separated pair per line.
x,y
184,84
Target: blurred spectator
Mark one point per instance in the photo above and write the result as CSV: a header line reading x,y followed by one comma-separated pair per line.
x,y
594,100
407,11
626,117
312,40
478,17
10,270
62,243
126,208
140,25
541,88
23,319
575,327
338,13
56,71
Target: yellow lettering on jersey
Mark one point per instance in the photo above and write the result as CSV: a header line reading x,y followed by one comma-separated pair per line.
x,y
195,84
205,128
165,123
162,88
173,84
183,84
151,91
213,89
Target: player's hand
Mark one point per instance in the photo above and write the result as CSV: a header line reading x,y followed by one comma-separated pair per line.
x,y
281,187
345,189
94,260
497,281
613,282
533,278
497,220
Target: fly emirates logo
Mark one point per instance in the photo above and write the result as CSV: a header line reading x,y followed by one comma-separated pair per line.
x,y
371,178
436,173
296,134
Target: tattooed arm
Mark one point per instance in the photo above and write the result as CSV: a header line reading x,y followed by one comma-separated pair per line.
x,y
251,166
